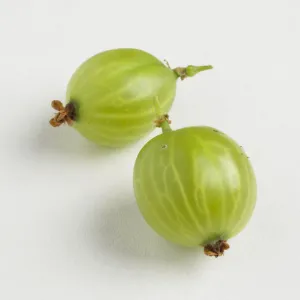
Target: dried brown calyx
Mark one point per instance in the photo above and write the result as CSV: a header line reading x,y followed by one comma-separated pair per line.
x,y
216,249
180,72
66,114
164,118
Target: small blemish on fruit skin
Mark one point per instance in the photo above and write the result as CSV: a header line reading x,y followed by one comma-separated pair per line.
x,y
164,146
215,130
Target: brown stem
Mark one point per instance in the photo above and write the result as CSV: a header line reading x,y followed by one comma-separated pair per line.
x,y
164,123
158,122
216,249
66,114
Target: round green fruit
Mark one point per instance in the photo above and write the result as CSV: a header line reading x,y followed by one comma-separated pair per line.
x,y
195,187
110,96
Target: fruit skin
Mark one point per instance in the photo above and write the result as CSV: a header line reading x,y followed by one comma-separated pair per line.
x,y
113,94
194,186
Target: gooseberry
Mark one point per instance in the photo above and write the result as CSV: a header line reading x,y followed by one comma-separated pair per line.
x,y
109,98
195,186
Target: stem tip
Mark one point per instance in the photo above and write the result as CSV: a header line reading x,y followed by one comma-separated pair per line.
x,y
190,71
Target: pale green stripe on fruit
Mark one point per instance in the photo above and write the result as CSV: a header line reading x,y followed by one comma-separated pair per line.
x,y
157,192
228,199
160,220
249,203
182,190
110,93
244,198
218,161
171,201
203,194
141,114
185,231
222,202
235,198
158,217
127,86
172,220
221,218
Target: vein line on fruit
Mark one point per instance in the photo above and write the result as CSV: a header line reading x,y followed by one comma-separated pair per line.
x,y
181,188
248,195
108,77
107,83
244,208
168,192
139,115
223,164
120,72
221,218
164,123
234,194
144,114
203,210
203,192
157,193
158,216
214,167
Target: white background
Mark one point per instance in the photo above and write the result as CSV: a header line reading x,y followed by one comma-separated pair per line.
x,y
69,226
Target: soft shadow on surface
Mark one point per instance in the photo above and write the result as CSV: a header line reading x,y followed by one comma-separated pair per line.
x,y
64,140
120,232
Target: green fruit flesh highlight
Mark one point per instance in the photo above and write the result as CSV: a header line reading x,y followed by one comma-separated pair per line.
x,y
195,186
113,93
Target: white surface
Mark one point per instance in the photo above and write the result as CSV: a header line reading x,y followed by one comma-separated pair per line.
x,y
69,226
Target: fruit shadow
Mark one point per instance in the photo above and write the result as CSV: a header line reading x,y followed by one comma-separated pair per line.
x,y
65,141
119,231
